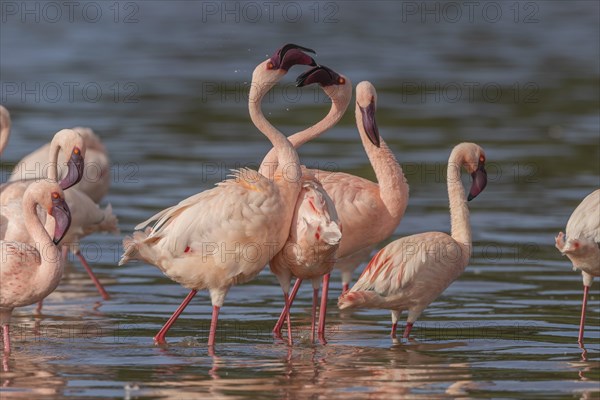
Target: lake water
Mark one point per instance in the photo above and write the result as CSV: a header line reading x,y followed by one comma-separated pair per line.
x,y
164,84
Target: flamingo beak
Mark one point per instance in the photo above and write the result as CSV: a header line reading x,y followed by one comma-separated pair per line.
x,y
369,122
75,170
62,215
290,55
479,181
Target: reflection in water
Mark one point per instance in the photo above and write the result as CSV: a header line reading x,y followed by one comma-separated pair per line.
x,y
31,375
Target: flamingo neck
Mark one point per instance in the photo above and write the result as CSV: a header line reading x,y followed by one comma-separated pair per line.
x,y
53,167
287,157
49,268
459,210
336,112
393,187
4,135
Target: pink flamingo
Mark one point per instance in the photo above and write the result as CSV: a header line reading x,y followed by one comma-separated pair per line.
x,y
315,234
582,245
4,127
192,242
411,272
369,212
95,181
87,217
30,273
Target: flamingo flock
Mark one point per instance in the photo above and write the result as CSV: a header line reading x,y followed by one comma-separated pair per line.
x,y
301,222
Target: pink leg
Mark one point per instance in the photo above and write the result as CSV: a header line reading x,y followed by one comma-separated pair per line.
x,y
284,312
87,267
288,319
586,289
314,314
345,288
323,309
38,309
409,326
160,336
6,337
394,327
213,326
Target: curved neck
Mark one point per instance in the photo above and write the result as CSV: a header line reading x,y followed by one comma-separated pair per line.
x,y
4,135
393,187
53,159
49,253
459,211
287,157
336,112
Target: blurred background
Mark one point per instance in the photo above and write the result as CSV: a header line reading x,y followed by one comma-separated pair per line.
x,y
165,83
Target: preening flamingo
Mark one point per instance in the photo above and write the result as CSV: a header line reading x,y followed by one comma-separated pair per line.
x,y
4,127
411,272
30,273
315,232
95,180
369,212
582,245
192,242
87,217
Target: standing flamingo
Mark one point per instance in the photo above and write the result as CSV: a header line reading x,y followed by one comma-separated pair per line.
x,y
192,242
369,212
411,272
4,127
30,273
87,217
582,245
95,181
315,232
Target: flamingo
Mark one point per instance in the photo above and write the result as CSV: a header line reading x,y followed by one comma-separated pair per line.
x,y
581,245
30,273
226,235
4,127
87,217
316,233
96,180
411,272
369,212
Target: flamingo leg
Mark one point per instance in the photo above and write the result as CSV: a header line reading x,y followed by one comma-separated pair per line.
x,y
6,338
87,267
284,312
40,304
314,314
160,336
586,289
213,326
288,319
323,308
394,328
345,288
409,326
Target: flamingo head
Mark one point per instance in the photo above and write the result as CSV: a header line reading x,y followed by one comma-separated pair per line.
x,y
70,140
62,215
366,103
475,164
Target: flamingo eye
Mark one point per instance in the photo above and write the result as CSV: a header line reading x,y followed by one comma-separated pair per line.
x,y
481,158
341,80
76,151
55,196
270,65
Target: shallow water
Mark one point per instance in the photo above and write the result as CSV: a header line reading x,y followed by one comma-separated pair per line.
x,y
164,84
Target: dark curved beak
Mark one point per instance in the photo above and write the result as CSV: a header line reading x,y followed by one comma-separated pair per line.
x,y
292,54
369,122
479,181
62,216
75,170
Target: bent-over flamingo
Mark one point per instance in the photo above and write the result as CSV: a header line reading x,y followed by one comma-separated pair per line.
x,y
582,245
30,273
95,180
411,272
315,232
369,212
191,242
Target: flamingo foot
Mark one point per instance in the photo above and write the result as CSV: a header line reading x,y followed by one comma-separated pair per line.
x,y
160,336
87,267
